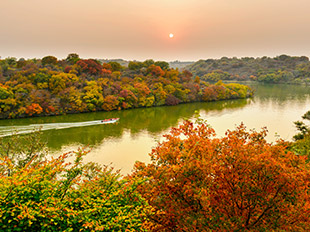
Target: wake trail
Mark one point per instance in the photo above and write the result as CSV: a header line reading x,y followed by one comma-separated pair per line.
x,y
9,130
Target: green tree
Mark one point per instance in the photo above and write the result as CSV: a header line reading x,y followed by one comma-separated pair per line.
x,y
49,60
162,64
301,145
115,66
135,65
72,58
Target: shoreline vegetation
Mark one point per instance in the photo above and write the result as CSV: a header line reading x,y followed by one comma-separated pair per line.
x,y
48,86
280,69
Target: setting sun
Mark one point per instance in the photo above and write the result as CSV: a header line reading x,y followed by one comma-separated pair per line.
x,y
171,35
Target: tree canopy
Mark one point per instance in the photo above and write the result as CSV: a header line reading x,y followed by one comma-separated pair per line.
x,y
49,86
280,69
240,182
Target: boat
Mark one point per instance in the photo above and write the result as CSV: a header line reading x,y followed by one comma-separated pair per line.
x,y
109,120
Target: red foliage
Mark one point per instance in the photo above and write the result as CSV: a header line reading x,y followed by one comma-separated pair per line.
x,y
90,66
67,69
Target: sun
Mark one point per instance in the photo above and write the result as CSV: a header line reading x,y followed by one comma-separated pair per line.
x,y
171,35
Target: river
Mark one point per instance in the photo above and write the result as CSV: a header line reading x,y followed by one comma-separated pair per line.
x,y
138,130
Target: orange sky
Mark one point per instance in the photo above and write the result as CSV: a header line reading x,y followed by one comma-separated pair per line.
x,y
139,29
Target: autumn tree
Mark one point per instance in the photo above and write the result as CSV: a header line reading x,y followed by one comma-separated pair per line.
x,y
110,102
162,64
155,70
148,63
142,91
21,63
72,58
240,182
50,194
217,75
115,66
49,60
34,109
43,98
90,66
135,65
129,97
7,100
59,82
93,95
160,94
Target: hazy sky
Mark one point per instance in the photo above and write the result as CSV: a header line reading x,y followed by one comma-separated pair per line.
x,y
139,29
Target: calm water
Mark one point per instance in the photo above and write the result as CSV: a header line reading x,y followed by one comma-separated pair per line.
x,y
274,106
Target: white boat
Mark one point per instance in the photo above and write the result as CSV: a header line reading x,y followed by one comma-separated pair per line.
x,y
109,120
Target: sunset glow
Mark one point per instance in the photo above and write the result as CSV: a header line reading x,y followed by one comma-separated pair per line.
x,y
109,29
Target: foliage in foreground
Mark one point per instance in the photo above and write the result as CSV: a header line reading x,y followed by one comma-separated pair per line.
x,y
237,183
54,195
195,182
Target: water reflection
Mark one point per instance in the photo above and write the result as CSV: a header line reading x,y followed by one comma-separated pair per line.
x,y
280,94
135,121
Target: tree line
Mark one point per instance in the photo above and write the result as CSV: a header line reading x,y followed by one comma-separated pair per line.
x,y
49,86
280,69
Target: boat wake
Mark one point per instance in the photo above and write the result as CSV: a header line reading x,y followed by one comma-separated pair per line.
x,y
25,129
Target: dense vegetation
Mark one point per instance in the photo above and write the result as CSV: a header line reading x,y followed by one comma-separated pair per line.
x,y
40,194
236,183
280,69
195,182
50,86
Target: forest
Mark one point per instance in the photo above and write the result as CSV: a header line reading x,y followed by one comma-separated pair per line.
x,y
48,86
280,69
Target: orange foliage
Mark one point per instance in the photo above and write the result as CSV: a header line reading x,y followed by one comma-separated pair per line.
x,y
110,103
34,109
209,94
236,183
155,70
107,66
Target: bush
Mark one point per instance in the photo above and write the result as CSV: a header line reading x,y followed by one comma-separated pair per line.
x,y
55,195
